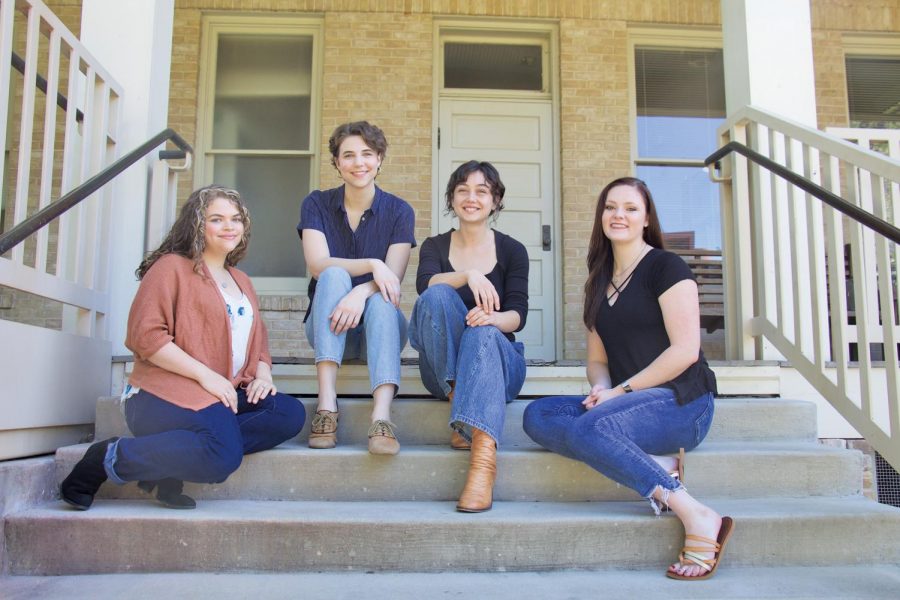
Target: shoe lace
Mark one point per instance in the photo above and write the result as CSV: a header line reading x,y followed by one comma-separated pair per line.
x,y
324,422
380,427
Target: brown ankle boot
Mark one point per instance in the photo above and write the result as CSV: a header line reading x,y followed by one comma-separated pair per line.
x,y
477,496
458,442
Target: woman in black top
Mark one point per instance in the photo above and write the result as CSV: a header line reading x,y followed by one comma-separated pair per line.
x,y
473,295
651,388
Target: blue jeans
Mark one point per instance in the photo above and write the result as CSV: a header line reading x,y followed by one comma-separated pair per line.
x,y
616,437
204,446
380,335
488,369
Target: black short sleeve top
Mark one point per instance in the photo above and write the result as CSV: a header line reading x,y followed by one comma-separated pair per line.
x,y
633,331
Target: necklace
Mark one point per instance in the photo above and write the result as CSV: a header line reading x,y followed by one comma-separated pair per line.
x,y
617,280
619,284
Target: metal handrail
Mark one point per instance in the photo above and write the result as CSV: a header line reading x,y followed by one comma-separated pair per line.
x,y
40,82
834,201
44,216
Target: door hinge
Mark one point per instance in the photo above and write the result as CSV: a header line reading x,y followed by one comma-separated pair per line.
x,y
439,138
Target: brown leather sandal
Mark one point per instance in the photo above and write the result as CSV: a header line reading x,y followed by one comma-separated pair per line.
x,y
689,554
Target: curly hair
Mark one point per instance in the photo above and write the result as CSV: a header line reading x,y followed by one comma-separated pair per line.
x,y
187,237
491,177
372,135
600,256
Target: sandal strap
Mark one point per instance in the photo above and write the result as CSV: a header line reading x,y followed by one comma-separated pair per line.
x,y
705,540
704,563
699,549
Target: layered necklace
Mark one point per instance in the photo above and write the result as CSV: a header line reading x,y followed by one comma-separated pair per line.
x,y
618,282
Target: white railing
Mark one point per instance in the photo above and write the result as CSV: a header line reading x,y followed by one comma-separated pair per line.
x,y
59,116
72,268
807,283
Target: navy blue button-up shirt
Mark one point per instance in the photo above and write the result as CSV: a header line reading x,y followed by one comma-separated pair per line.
x,y
390,220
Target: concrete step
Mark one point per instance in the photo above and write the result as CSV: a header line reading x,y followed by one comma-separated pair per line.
x,y
350,473
423,421
821,583
242,535
734,378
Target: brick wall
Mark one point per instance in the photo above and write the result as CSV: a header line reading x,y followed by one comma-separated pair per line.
x,y
595,133
378,65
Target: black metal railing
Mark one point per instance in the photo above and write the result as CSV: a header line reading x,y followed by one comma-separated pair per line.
x,y
834,201
47,214
40,82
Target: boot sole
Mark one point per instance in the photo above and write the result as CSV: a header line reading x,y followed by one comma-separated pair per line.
x,y
474,510
72,502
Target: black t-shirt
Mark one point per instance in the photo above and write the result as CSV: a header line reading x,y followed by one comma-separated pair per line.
x,y
634,333
509,276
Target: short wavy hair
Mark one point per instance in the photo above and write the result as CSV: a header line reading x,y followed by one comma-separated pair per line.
x,y
491,176
372,135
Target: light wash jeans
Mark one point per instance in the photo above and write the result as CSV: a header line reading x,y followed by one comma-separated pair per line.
x,y
380,336
488,369
616,437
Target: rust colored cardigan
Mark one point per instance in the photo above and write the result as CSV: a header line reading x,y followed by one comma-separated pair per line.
x,y
175,304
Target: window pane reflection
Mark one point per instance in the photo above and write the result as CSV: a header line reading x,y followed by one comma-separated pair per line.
x,y
263,89
493,66
272,189
687,202
677,137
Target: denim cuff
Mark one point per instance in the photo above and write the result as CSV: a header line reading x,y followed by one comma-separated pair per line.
x,y
109,462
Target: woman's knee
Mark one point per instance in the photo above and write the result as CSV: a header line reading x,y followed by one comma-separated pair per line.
x,y
290,416
334,276
437,296
378,308
532,419
222,460
539,414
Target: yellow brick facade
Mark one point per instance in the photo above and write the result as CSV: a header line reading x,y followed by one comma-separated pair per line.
x,y
378,65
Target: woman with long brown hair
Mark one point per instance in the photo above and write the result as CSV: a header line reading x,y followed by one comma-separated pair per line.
x,y
201,394
651,388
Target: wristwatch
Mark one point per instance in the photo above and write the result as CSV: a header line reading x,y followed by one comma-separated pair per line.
x,y
627,387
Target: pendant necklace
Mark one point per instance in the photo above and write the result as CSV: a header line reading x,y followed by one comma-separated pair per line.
x,y
621,285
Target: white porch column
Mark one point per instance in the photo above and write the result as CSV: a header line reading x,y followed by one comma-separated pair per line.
x,y
767,47
132,39
768,59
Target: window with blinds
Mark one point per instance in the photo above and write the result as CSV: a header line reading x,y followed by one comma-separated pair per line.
x,y
873,91
680,102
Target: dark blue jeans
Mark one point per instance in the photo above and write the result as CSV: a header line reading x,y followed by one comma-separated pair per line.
x,y
488,369
616,437
204,446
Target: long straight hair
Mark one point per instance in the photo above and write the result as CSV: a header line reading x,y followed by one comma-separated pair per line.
x,y
600,255
187,237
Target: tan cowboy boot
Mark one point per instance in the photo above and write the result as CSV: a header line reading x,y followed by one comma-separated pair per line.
x,y
477,496
458,442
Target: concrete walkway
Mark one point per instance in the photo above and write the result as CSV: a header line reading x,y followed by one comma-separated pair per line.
x,y
810,583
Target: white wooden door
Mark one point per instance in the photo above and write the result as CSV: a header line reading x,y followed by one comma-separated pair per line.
x,y
516,137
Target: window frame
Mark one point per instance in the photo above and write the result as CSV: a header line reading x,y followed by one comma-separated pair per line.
x,y
500,33
663,39
212,27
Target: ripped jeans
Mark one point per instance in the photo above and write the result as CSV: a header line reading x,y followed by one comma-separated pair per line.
x,y
616,437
